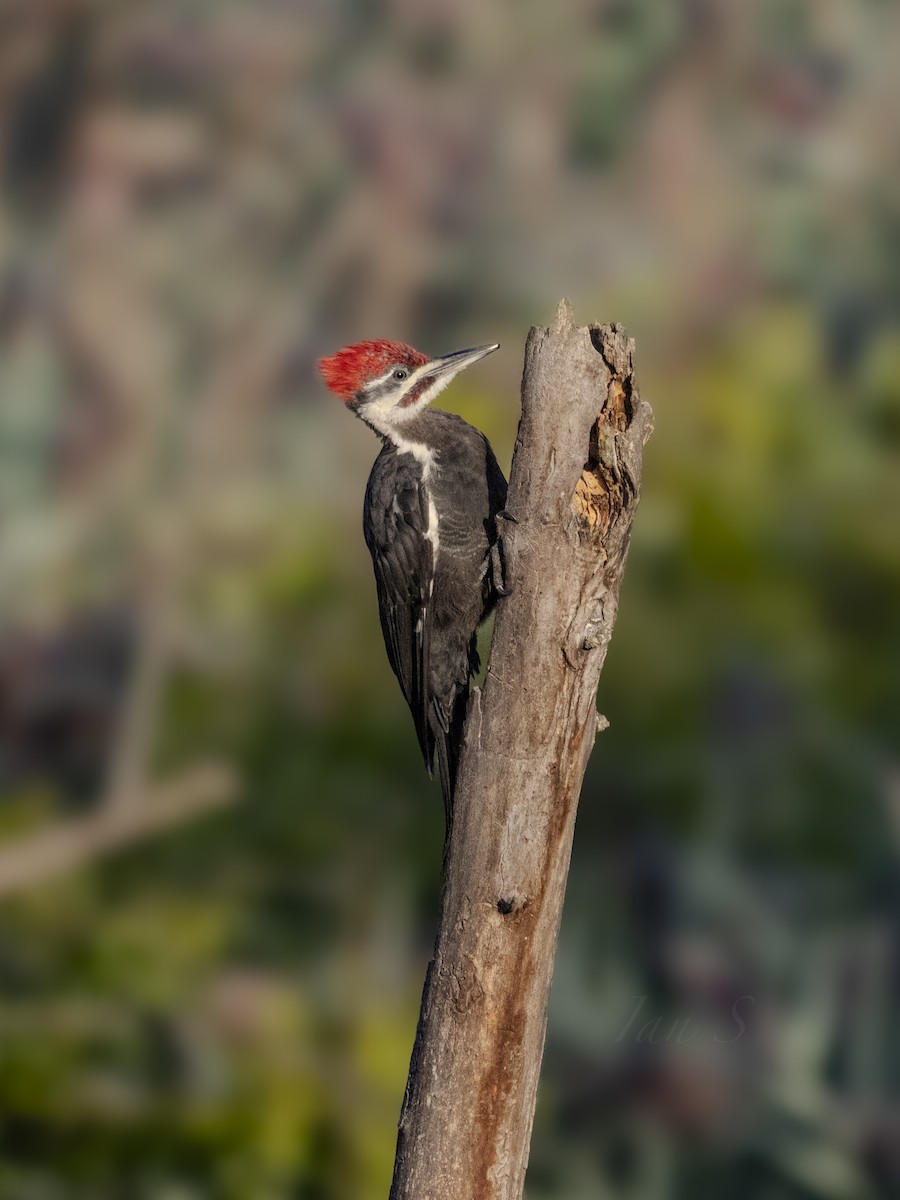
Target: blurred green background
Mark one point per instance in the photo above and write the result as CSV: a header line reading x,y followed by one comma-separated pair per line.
x,y
200,198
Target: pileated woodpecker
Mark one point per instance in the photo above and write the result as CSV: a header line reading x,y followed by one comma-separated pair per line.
x,y
430,524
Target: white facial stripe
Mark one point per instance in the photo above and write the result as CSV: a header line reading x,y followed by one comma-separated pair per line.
x,y
379,410
374,384
431,392
387,411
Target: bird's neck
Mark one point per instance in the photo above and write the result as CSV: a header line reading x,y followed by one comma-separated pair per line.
x,y
420,435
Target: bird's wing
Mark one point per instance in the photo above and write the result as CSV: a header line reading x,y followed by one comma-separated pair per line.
x,y
396,530
497,486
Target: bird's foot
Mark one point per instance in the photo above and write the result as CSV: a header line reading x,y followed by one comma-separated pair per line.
x,y
499,581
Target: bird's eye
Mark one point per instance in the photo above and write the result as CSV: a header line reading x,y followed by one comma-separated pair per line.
x,y
401,373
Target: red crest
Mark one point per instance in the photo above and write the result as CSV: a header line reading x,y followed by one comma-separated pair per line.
x,y
345,372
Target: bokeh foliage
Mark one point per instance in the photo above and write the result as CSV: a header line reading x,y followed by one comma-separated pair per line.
x,y
198,200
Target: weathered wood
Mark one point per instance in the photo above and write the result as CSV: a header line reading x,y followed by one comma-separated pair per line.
x,y
465,1126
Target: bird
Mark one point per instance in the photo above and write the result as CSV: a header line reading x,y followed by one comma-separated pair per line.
x,y
430,523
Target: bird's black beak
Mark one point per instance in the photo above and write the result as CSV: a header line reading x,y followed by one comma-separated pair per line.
x,y
452,364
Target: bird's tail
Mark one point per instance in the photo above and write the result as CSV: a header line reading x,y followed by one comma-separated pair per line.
x,y
448,735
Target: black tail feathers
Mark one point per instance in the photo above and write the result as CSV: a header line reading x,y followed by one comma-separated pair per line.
x,y
448,736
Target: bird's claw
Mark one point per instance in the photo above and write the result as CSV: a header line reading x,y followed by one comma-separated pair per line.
x,y
498,569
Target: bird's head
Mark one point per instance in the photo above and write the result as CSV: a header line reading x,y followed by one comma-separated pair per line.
x,y
387,383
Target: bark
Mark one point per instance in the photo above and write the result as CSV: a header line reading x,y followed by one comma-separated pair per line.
x,y
465,1126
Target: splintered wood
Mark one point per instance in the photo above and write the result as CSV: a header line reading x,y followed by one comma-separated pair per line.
x,y
598,479
590,501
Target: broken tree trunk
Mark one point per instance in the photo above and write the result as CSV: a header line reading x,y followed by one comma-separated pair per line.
x,y
465,1126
